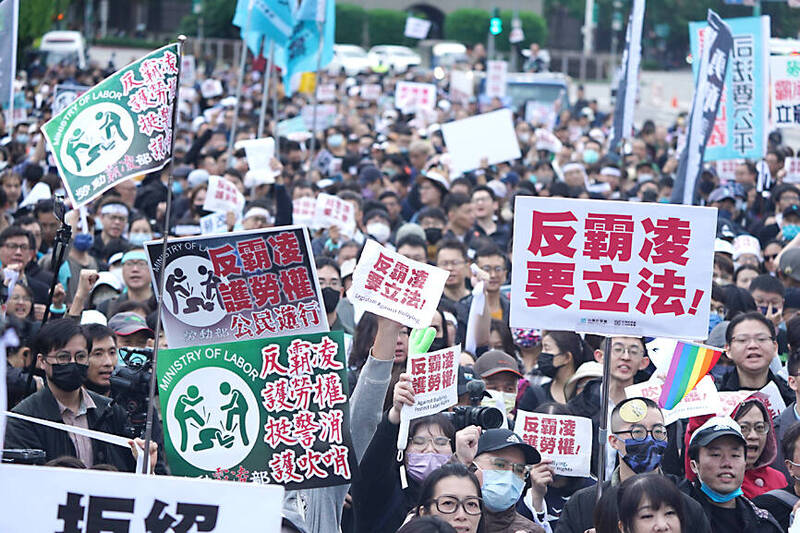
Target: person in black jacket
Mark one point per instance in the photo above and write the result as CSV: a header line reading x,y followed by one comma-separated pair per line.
x,y
63,351
382,500
717,457
639,437
751,343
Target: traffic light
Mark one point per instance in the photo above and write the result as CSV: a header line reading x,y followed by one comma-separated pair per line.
x,y
495,23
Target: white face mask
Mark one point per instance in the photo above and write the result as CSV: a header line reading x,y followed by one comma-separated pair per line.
x,y
379,230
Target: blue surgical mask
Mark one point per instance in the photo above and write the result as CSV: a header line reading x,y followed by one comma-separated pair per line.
x,y
22,138
644,455
718,497
335,140
590,156
501,489
83,242
790,231
713,320
177,188
138,239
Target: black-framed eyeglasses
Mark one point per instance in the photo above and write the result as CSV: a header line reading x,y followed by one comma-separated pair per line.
x,y
639,433
65,357
447,504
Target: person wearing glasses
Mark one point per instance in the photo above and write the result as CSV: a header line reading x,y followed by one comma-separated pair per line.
x,y
639,438
761,449
502,463
17,250
628,357
62,350
453,494
750,342
387,490
789,416
717,456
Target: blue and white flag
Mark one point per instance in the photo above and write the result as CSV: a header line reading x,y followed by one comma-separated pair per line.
x,y
300,52
742,124
9,14
270,19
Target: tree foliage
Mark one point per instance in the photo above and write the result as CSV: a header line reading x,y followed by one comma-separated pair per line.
x,y
468,26
386,26
35,19
217,18
350,21
533,26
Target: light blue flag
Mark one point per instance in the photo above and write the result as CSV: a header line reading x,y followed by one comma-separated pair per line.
x,y
270,18
300,52
9,10
742,124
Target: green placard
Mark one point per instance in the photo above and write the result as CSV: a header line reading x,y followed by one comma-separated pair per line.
x,y
265,411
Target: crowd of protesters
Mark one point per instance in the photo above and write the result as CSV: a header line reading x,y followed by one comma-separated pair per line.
x,y
739,472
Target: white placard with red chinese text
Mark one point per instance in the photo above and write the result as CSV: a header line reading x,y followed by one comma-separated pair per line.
x,y
772,399
489,135
188,70
222,195
792,167
726,170
326,92
303,210
461,86
702,400
370,91
496,74
785,91
566,440
69,499
410,96
612,268
393,286
434,377
333,211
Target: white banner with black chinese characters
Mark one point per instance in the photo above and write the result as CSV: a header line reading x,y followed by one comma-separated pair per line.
x,y
238,286
66,499
612,268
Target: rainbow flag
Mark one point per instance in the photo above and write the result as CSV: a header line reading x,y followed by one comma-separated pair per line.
x,y
690,362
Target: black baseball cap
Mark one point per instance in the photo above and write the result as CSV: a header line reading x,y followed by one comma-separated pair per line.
x,y
492,440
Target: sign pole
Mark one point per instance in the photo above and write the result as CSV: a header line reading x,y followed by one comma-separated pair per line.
x,y
265,92
242,59
602,430
148,428
320,25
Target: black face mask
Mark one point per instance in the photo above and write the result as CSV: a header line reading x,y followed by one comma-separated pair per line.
x,y
295,164
331,298
439,343
545,365
433,235
69,376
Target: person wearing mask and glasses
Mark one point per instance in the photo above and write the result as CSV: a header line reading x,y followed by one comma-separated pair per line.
x,y
62,351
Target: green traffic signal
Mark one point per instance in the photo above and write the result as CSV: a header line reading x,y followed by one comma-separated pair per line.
x,y
495,26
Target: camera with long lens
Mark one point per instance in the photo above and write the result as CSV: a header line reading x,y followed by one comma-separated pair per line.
x,y
473,414
130,387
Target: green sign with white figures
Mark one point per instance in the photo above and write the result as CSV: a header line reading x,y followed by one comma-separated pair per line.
x,y
264,411
121,127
